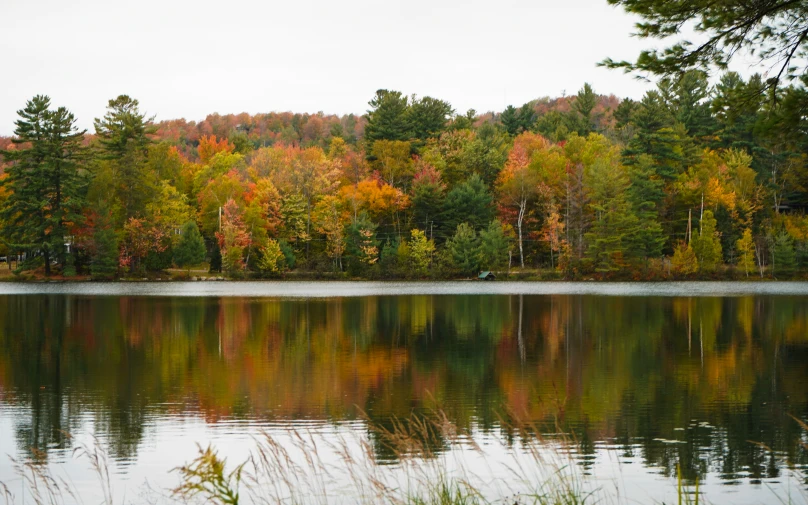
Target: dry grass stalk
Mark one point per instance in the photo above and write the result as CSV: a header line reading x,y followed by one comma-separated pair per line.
x,y
432,467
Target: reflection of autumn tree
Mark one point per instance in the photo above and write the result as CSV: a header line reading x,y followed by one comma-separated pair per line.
x,y
626,369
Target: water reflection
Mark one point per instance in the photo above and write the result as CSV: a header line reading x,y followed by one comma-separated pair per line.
x,y
672,381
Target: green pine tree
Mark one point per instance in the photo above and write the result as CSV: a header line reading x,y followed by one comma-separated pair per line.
x,y
428,195
104,260
784,257
655,136
387,118
215,259
469,202
689,104
288,254
584,103
190,249
464,248
428,118
645,195
615,224
123,134
486,153
123,128
493,247
45,179
516,121
388,261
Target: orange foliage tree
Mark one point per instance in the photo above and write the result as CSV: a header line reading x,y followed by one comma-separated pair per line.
x,y
233,237
209,146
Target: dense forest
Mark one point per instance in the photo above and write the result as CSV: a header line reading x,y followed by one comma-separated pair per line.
x,y
694,180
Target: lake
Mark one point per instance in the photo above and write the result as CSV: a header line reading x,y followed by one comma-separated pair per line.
x,y
624,385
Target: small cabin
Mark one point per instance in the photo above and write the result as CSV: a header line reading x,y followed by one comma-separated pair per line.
x,y
487,276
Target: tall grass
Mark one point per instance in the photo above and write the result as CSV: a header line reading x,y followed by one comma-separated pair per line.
x,y
302,469
296,467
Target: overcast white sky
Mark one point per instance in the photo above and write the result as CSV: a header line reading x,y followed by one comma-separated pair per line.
x,y
183,58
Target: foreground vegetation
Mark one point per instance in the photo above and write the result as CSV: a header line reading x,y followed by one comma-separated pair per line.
x,y
292,467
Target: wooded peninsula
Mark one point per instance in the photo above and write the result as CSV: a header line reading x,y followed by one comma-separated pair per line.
x,y
694,180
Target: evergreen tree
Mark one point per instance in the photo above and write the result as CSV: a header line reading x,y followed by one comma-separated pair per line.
x,y
104,260
655,136
493,247
190,249
624,112
288,254
428,117
689,102
428,195
469,202
645,193
216,259
123,128
486,154
388,261
526,117
784,258
464,248
123,134
615,224
736,106
556,126
463,121
584,103
773,31
157,260
801,249
516,121
387,118
510,120
45,180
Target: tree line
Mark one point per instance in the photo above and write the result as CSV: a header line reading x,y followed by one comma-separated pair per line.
x,y
692,180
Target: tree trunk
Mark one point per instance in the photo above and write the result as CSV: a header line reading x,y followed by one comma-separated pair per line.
x,y
46,253
519,219
308,226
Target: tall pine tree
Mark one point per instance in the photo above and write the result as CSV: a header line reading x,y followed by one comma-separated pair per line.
x,y
45,179
645,194
123,134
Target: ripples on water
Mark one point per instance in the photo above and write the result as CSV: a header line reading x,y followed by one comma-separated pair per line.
x,y
630,380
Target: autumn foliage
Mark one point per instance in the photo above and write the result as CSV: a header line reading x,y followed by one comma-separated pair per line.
x,y
583,186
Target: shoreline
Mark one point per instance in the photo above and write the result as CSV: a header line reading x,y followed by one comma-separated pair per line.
x,y
348,289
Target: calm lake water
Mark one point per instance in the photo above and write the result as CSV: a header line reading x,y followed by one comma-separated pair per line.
x,y
641,378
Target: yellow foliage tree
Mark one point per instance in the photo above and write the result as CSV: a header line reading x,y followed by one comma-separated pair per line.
x,y
684,260
746,252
